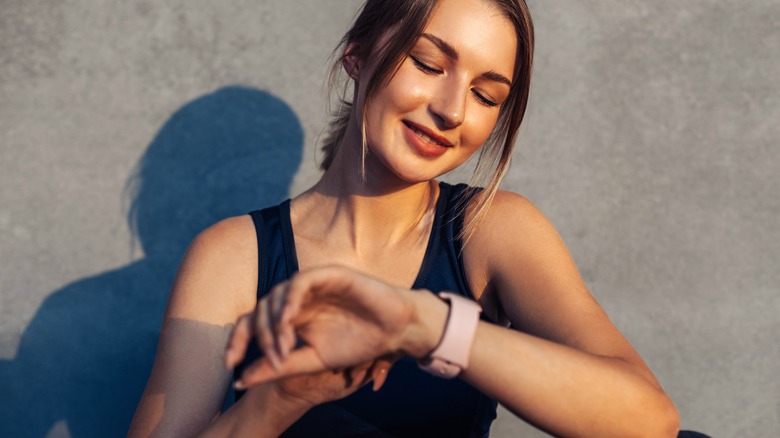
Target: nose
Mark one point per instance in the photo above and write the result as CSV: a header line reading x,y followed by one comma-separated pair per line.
x,y
449,104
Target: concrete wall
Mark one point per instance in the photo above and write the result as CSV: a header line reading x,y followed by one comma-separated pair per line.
x,y
652,142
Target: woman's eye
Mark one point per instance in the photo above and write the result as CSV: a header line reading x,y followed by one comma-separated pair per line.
x,y
424,67
484,100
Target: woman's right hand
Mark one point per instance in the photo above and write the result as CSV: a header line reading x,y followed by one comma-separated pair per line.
x,y
308,390
268,409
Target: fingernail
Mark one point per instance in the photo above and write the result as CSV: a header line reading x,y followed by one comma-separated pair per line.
x,y
239,385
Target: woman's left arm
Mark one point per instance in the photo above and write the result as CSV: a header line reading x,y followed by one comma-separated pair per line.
x,y
568,369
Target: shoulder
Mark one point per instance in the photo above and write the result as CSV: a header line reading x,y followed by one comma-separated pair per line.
x,y
225,238
512,223
217,278
518,253
510,229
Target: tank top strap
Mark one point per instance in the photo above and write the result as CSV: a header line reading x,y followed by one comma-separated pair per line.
x,y
461,196
458,199
262,252
443,268
276,259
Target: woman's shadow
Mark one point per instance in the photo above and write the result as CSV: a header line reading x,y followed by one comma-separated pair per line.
x,y
84,359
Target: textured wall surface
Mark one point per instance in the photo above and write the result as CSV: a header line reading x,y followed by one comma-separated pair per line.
x,y
652,143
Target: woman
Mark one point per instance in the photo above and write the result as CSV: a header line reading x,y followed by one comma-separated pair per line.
x,y
434,82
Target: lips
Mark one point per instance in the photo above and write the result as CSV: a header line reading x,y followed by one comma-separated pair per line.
x,y
427,135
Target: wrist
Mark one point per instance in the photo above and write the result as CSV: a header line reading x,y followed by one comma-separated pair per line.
x,y
260,413
427,325
451,354
266,406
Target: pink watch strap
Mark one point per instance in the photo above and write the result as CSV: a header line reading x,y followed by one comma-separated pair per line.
x,y
451,356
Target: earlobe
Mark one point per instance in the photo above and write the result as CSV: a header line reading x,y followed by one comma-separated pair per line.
x,y
351,61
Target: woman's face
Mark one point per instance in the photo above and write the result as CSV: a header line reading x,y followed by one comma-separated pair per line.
x,y
444,101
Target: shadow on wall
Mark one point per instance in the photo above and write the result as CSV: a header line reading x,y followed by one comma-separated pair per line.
x,y
85,357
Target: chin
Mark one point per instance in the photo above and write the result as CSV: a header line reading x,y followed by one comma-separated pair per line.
x,y
416,171
416,176
407,166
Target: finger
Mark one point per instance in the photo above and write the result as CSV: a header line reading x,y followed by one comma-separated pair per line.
x,y
239,340
284,336
379,376
286,339
358,373
365,372
323,281
275,305
265,338
381,370
301,361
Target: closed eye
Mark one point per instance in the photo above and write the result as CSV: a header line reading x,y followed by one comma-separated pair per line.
x,y
433,71
484,100
425,67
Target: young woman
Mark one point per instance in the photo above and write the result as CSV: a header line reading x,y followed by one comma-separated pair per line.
x,y
344,271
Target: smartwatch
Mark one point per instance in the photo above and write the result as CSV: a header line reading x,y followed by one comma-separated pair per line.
x,y
451,355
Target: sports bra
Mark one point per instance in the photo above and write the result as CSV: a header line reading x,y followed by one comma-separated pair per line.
x,y
412,403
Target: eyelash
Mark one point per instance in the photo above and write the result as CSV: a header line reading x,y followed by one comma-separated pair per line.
x,y
427,69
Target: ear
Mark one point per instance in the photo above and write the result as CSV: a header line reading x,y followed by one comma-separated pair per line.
x,y
351,61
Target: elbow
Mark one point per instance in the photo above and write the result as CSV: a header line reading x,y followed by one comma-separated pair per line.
x,y
670,421
664,422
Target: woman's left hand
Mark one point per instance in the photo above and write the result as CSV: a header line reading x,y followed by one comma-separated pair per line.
x,y
343,319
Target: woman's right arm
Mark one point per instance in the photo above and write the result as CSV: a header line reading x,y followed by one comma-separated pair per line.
x,y
216,283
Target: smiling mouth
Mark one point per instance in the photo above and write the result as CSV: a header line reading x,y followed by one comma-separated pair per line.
x,y
425,137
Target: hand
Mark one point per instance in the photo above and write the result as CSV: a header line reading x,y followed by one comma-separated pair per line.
x,y
342,317
309,390
269,409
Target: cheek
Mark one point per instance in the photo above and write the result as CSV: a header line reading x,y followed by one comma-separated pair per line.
x,y
477,128
388,106
404,93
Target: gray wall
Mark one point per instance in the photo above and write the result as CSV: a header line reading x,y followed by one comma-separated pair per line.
x,y
651,142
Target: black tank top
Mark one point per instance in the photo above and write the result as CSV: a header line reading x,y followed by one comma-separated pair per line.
x,y
412,403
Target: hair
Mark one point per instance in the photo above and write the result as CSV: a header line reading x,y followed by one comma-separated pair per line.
x,y
407,19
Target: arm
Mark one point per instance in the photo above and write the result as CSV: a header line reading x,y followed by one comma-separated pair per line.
x,y
568,370
215,284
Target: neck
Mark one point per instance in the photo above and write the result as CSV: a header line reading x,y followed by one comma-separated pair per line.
x,y
374,212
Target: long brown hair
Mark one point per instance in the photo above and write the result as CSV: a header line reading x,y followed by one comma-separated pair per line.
x,y
407,19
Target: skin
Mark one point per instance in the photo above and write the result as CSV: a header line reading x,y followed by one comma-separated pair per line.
x,y
561,368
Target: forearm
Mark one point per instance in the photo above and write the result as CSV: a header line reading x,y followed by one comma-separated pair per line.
x,y
560,389
259,413
566,391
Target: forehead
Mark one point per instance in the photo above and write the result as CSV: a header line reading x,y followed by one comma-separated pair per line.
x,y
483,36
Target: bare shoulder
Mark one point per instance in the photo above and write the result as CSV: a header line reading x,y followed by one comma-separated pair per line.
x,y
526,263
512,226
509,224
508,214
217,278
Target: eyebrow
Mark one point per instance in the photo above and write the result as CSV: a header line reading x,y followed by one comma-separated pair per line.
x,y
451,53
